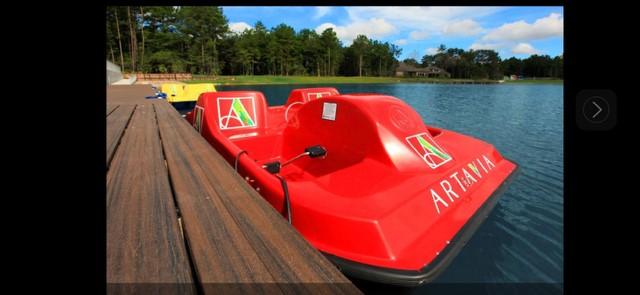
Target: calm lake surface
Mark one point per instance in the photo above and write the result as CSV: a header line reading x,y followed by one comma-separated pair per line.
x,y
522,240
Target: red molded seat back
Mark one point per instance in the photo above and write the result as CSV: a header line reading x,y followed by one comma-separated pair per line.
x,y
341,124
230,112
353,129
298,97
304,95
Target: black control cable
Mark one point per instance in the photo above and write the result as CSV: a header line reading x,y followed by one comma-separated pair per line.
x,y
235,165
274,168
287,203
283,182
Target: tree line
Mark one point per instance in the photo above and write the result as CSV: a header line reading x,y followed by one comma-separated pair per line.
x,y
162,39
487,64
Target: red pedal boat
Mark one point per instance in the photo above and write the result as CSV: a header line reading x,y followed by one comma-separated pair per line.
x,y
384,196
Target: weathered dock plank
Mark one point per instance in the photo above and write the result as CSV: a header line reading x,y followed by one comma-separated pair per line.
x,y
214,199
220,251
129,94
144,243
180,220
116,125
111,108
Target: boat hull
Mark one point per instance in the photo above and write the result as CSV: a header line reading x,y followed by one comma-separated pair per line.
x,y
393,200
427,274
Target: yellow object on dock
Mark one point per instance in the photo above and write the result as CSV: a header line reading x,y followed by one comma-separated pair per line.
x,y
185,92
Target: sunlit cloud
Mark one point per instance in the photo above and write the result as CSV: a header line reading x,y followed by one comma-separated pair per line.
x,y
520,31
467,27
524,48
418,35
372,28
239,27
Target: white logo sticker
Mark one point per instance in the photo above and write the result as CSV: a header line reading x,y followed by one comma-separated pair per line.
x,y
429,150
316,95
236,112
329,111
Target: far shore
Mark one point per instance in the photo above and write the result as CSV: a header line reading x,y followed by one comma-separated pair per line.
x,y
267,80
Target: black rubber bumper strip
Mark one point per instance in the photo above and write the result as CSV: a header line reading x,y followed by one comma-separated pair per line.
x,y
439,264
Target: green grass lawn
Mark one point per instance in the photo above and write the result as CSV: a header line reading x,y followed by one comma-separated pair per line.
x,y
264,79
536,81
253,80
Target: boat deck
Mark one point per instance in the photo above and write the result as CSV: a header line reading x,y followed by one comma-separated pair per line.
x,y
180,220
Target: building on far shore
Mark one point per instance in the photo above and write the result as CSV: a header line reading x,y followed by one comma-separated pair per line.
x,y
514,77
406,70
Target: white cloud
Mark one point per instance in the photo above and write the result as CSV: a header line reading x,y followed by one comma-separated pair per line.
x,y
418,35
420,17
524,48
324,26
238,27
321,11
467,27
425,22
431,51
373,28
480,46
420,23
517,36
550,26
400,42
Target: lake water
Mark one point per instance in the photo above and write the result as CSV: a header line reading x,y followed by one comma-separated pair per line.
x,y
522,240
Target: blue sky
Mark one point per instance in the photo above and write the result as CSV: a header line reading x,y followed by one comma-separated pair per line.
x,y
512,31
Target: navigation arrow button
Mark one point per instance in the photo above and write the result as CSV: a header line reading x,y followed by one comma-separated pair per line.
x,y
596,109
599,109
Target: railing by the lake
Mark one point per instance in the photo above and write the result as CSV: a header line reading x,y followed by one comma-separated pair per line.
x,y
188,76
163,76
451,81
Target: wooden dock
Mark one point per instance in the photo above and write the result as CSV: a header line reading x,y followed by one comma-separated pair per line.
x,y
181,221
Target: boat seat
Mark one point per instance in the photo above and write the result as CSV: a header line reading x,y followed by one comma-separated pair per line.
x,y
300,96
350,136
234,114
